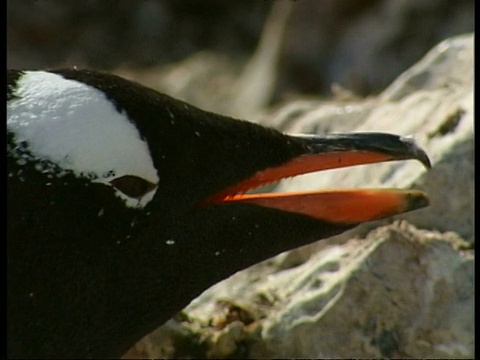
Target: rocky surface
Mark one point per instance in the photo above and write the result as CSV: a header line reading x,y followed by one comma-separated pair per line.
x,y
400,292
397,291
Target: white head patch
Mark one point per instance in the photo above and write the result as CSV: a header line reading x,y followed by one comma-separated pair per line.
x,y
77,128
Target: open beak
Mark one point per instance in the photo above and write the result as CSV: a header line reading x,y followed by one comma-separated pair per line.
x,y
336,206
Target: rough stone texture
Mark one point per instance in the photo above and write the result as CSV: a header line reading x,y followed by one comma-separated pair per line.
x,y
400,292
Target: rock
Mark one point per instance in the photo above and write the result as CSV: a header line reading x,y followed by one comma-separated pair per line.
x,y
400,292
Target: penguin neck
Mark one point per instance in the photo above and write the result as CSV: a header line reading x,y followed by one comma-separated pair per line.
x,y
85,292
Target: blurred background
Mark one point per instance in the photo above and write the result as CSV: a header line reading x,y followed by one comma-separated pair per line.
x,y
236,57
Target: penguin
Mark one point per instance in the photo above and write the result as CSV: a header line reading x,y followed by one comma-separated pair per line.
x,y
124,204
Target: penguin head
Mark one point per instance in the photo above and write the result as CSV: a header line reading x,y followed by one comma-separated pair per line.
x,y
115,186
128,154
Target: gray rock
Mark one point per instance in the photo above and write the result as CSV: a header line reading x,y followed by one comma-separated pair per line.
x,y
401,292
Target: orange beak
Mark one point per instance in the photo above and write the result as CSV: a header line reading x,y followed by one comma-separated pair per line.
x,y
336,206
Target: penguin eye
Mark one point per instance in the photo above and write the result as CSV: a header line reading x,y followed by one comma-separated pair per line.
x,y
132,186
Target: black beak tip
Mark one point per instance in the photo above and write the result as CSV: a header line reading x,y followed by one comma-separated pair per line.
x,y
416,200
416,151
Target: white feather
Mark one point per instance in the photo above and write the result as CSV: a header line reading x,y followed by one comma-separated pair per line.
x,y
77,128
